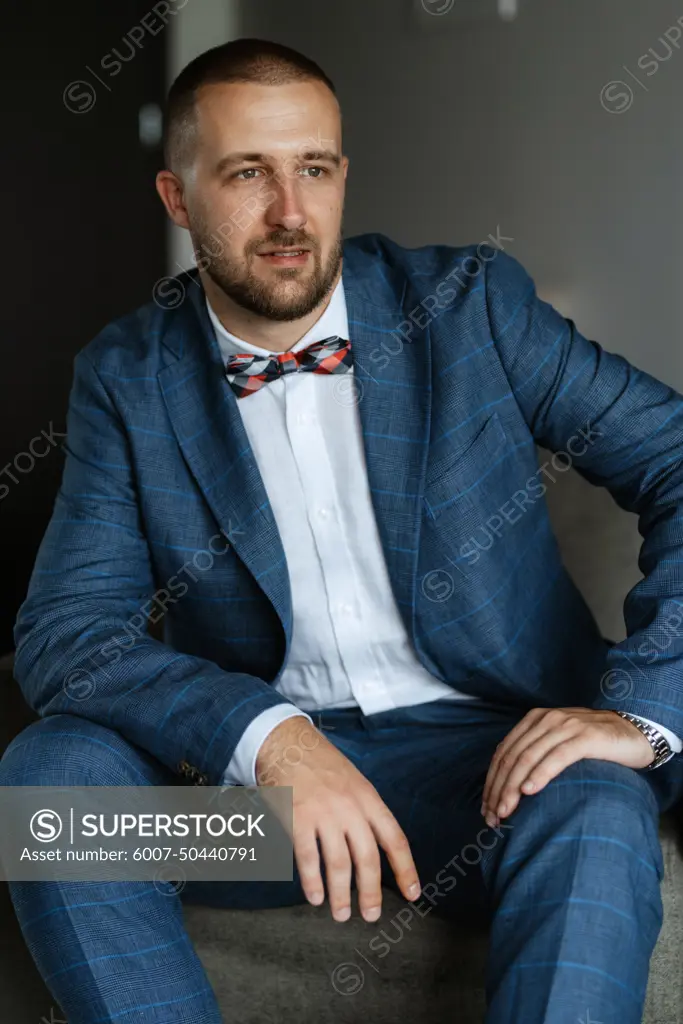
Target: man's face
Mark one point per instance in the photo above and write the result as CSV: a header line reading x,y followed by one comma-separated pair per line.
x,y
268,177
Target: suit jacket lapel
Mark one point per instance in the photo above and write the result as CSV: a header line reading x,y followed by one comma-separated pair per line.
x,y
208,426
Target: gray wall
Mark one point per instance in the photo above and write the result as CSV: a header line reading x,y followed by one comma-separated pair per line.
x,y
455,129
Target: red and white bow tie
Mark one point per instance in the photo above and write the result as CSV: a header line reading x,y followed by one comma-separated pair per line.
x,y
248,373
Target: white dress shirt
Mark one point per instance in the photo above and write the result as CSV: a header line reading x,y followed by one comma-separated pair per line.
x,y
349,646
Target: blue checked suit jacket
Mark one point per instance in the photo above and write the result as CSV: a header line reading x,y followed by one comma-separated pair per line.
x,y
461,370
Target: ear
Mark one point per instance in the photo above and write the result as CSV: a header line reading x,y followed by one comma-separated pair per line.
x,y
171,193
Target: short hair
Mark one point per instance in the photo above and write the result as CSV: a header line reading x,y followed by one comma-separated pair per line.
x,y
242,60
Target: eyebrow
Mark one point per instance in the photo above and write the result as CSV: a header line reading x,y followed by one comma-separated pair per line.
x,y
233,159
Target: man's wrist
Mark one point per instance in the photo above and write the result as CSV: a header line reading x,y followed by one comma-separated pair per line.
x,y
241,770
662,750
284,748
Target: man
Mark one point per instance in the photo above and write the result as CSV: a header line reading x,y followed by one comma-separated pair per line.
x,y
354,418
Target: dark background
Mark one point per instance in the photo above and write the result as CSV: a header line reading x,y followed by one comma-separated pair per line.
x,y
85,240
84,234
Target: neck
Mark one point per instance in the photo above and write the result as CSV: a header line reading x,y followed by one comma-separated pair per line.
x,y
274,335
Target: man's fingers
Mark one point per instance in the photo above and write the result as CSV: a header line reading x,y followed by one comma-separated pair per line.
x,y
507,755
368,869
573,749
337,859
531,719
525,760
308,865
394,842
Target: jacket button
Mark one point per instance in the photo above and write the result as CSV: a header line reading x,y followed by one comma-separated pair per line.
x,y
192,773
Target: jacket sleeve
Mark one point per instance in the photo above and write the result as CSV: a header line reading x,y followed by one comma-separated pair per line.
x,y
76,652
622,429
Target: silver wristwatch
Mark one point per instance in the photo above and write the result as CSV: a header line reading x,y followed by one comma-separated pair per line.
x,y
660,745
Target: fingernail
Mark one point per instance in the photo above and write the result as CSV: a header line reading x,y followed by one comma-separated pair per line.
x,y
343,915
490,820
316,898
372,913
414,890
502,808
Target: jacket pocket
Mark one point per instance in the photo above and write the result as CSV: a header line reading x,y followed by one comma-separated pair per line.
x,y
457,475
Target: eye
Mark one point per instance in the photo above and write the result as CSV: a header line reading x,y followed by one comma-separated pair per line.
x,y
322,171
249,171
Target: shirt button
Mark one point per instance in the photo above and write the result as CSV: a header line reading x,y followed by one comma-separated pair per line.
x,y
323,513
301,417
346,609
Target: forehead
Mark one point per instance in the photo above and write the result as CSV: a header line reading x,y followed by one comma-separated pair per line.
x,y
267,118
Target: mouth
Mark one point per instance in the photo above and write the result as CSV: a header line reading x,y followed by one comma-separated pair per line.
x,y
286,257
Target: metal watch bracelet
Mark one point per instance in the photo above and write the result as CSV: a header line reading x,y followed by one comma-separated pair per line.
x,y
660,745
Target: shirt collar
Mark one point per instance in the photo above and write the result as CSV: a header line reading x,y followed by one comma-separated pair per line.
x,y
334,321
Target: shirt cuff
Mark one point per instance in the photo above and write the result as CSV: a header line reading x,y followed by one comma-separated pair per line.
x,y
673,740
242,768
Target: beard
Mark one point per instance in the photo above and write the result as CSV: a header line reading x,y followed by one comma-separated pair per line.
x,y
292,294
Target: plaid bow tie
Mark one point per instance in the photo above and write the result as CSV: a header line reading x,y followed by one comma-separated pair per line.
x,y
248,373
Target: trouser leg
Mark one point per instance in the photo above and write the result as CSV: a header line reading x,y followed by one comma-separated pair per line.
x,y
110,951
576,900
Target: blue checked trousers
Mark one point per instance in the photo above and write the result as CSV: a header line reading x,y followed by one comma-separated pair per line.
x,y
570,886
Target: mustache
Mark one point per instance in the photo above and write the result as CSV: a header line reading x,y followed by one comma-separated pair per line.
x,y
279,240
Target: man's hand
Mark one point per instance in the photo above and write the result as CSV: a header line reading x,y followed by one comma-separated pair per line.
x,y
336,804
548,740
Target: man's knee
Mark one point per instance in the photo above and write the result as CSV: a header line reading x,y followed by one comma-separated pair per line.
x,y
604,799
601,785
66,750
603,808
601,797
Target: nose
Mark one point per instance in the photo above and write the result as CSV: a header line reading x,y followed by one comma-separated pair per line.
x,y
286,209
